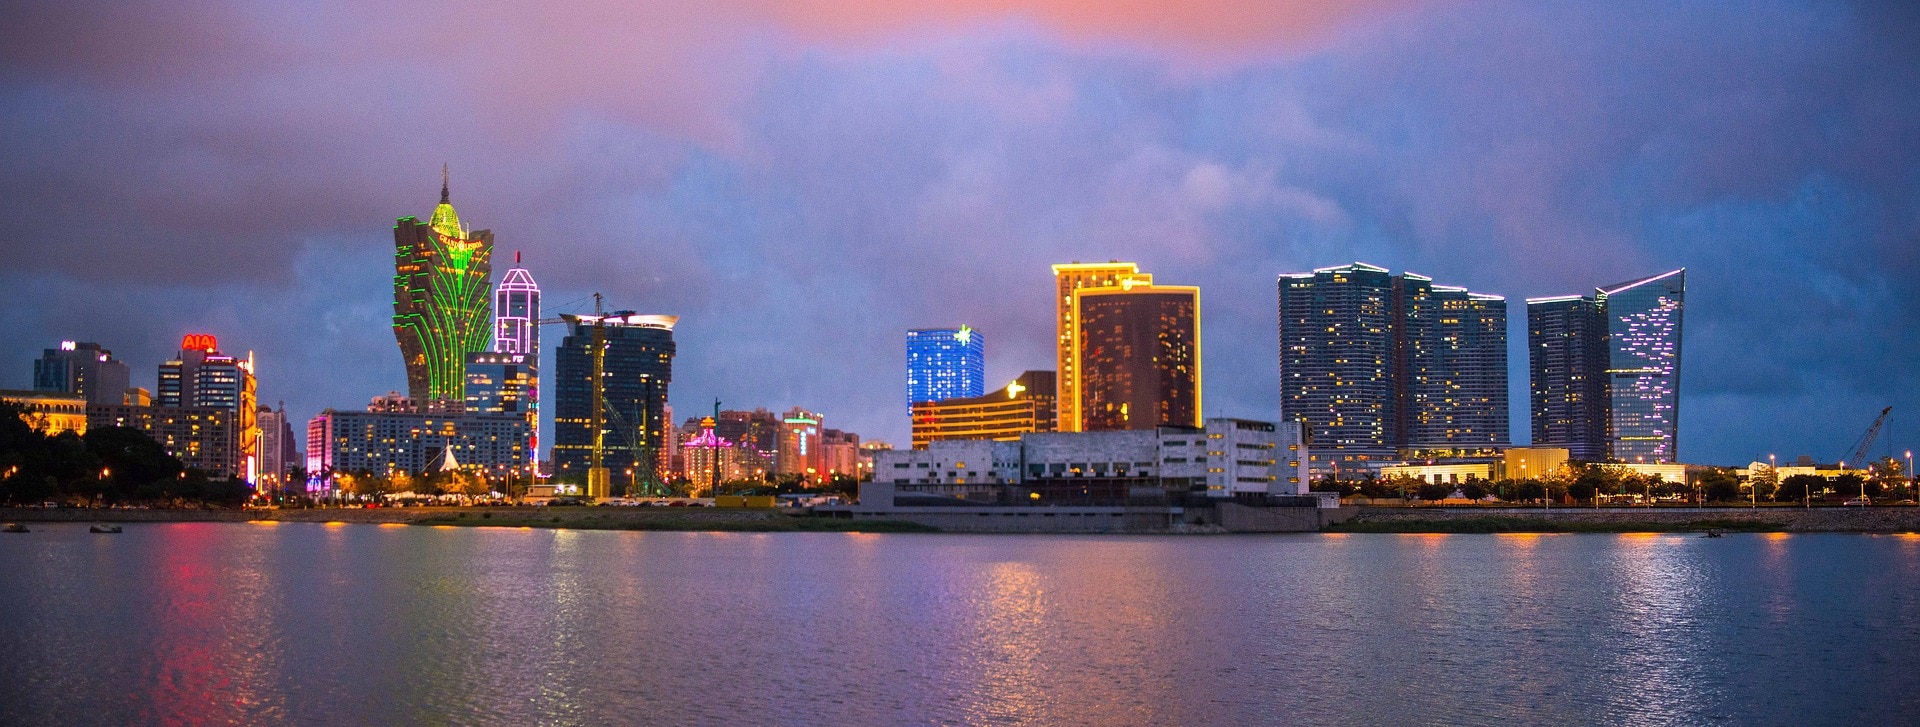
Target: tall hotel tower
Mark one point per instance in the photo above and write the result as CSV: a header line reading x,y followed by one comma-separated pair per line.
x,y
1606,370
945,363
636,368
1379,366
507,380
1068,278
441,290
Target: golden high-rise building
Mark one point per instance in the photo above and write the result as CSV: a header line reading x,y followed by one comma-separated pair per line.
x,y
1067,278
1137,356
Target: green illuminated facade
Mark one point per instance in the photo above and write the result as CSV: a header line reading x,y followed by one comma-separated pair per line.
x,y
442,300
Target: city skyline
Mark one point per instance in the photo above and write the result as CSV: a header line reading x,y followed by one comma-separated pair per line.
x,y
1355,136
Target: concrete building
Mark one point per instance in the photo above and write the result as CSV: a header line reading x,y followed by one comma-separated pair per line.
x,y
1442,473
1226,458
82,368
277,452
1025,405
945,363
50,412
1606,370
1525,463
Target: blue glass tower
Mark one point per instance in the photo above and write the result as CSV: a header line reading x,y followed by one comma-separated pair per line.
x,y
1643,367
945,363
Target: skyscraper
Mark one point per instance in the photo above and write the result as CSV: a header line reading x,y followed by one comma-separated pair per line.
x,y
1067,278
800,452
1136,355
82,368
516,331
499,383
1643,365
203,377
637,366
1606,370
1567,364
945,363
441,292
1379,366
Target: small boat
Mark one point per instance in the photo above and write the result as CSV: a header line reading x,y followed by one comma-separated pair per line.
x,y
1711,534
14,528
104,529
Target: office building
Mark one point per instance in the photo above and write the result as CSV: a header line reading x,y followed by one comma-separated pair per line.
x,y
1643,366
1380,366
800,452
757,434
840,454
636,368
203,377
1567,367
82,368
50,412
205,438
1068,278
441,299
381,441
1136,355
945,363
516,331
1606,370
499,383
277,452
1025,405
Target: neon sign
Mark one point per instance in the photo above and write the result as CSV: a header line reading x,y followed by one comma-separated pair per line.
x,y
199,342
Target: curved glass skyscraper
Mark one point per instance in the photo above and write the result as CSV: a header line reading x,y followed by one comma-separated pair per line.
x,y
441,300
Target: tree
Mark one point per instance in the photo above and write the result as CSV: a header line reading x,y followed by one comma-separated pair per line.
x,y
1474,490
1795,488
1434,492
1719,486
1530,489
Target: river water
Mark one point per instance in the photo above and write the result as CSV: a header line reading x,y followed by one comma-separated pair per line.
x,y
362,624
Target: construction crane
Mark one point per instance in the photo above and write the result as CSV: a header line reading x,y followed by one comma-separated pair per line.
x,y
599,478
1866,440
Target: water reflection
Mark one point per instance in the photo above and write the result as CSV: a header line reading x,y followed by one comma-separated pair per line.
x,y
370,625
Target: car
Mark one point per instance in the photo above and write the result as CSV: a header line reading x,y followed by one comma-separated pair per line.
x,y
1858,501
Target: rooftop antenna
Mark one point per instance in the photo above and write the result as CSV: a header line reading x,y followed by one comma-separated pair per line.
x,y
516,258
443,184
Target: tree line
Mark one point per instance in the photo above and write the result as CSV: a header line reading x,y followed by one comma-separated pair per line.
x,y
106,466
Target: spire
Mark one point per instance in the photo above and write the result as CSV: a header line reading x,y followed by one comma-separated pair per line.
x,y
444,199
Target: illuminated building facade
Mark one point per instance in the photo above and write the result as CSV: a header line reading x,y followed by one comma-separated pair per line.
x,y
1025,405
800,452
441,299
1606,370
278,454
1067,279
1567,367
1378,366
1643,367
385,442
499,383
1450,369
50,412
82,368
516,331
203,377
704,449
1136,354
945,363
757,433
637,369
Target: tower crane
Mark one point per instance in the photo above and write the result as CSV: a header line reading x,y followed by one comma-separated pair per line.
x,y
1866,440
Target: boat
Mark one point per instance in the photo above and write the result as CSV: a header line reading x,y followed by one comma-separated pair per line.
x,y
14,528
1712,534
104,529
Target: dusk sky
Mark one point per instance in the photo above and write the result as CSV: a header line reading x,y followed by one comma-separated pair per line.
x,y
802,182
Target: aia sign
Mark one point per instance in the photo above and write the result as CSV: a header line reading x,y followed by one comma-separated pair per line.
x,y
199,342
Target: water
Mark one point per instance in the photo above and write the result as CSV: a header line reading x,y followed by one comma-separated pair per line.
x,y
297,623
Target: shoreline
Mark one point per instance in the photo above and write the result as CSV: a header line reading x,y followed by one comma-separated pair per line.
x,y
1363,519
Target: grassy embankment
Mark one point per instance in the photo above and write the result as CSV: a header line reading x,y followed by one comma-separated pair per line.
x,y
1508,524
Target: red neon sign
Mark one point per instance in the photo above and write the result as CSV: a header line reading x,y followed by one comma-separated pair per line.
x,y
199,342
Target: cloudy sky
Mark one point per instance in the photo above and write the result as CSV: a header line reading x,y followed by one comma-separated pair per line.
x,y
801,182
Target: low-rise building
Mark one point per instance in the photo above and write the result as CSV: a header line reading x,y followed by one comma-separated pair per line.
x,y
50,412
1024,406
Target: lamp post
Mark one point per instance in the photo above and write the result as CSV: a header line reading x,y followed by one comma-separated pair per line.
x,y
1911,495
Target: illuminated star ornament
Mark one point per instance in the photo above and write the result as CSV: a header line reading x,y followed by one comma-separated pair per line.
x,y
964,336
1014,388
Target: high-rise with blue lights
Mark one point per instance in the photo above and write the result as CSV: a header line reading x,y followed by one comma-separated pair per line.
x,y
945,363
1643,365
1606,370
